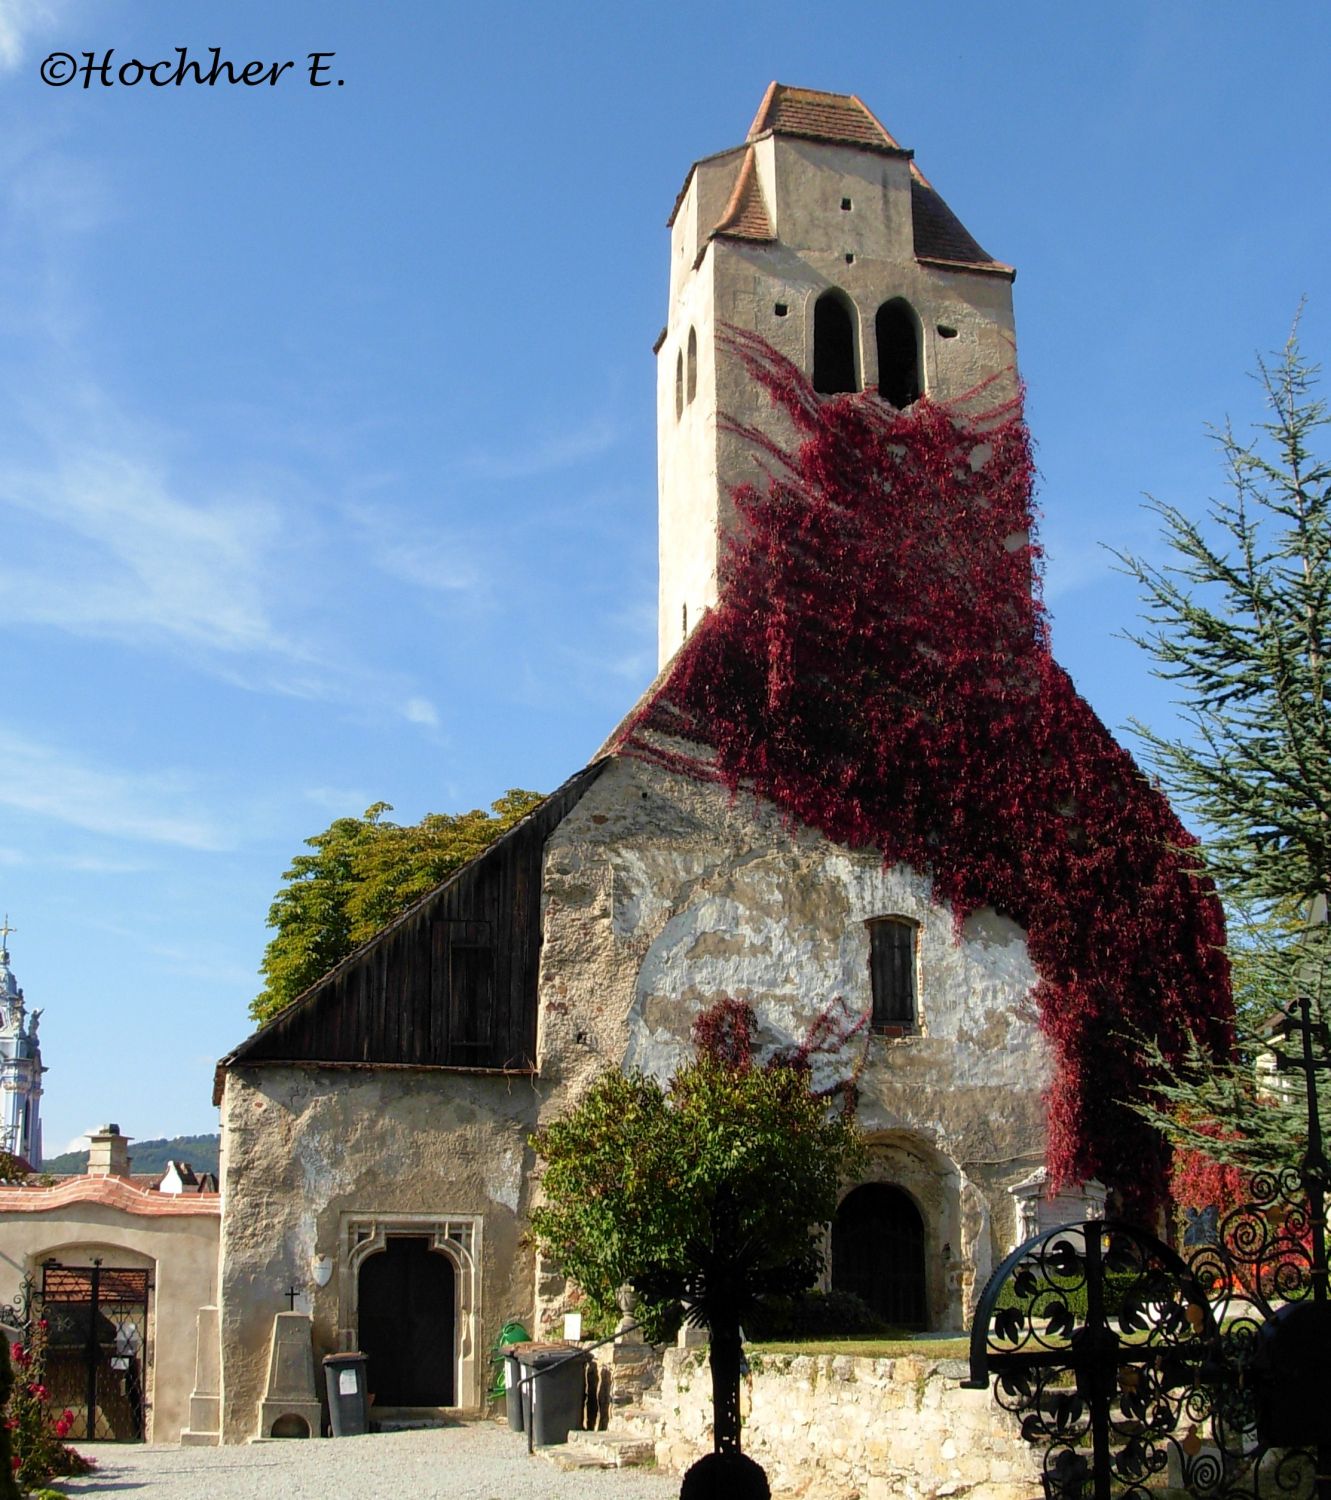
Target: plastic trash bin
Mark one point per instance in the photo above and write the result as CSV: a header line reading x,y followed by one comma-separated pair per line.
x,y
513,1393
558,1393
348,1398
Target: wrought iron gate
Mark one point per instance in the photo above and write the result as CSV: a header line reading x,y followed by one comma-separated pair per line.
x,y
97,1348
1136,1371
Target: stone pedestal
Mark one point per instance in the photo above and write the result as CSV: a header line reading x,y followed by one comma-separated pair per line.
x,y
205,1403
291,1406
634,1369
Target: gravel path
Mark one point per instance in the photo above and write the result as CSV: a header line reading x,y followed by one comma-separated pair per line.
x,y
473,1461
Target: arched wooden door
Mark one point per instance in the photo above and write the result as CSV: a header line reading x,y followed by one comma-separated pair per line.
x,y
406,1324
878,1253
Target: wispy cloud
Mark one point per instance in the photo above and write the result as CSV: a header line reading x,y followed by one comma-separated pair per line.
x,y
136,561
544,454
443,564
421,711
21,21
342,802
154,808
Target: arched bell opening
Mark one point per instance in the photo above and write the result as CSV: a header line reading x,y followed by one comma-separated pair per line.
x,y
835,367
897,333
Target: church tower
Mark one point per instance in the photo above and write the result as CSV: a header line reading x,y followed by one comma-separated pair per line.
x,y
820,235
20,1066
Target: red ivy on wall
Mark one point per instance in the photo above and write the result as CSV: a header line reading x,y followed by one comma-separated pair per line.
x,y
879,668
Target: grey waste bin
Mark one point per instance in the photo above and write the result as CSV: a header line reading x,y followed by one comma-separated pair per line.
x,y
556,1397
348,1398
513,1392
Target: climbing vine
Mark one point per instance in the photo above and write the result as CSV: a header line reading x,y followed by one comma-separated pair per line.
x,y
879,667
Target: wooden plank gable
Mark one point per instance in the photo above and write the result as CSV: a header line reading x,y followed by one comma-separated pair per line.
x,y
451,983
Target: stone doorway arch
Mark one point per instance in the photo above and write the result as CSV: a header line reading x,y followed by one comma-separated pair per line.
x,y
451,1329
878,1253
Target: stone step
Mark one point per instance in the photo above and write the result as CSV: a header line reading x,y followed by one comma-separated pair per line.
x,y
611,1449
644,1419
408,1418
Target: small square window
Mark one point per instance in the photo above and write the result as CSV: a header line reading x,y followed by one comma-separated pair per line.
x,y
892,943
850,257
780,309
845,205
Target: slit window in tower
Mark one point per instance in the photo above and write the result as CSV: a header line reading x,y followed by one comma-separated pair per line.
x,y
833,345
898,353
679,385
693,363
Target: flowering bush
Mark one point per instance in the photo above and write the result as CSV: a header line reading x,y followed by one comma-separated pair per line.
x,y
878,666
37,1447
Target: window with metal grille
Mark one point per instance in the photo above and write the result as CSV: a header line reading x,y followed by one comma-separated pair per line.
x,y
892,973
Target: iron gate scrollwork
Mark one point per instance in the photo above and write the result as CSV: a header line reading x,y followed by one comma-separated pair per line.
x,y
97,1347
1135,1370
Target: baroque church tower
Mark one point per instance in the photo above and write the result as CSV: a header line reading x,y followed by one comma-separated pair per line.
x,y
822,236
20,1066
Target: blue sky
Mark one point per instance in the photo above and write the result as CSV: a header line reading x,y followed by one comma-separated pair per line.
x,y
327,461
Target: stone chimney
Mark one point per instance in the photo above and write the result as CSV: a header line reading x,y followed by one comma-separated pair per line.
x,y
108,1152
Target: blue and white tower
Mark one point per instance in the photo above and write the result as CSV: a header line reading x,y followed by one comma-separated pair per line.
x,y
20,1066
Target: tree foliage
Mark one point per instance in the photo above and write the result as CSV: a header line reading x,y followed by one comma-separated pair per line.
x,y
364,872
1239,620
726,1174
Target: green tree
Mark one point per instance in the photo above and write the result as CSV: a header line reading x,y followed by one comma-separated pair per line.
x,y
713,1191
363,872
1240,621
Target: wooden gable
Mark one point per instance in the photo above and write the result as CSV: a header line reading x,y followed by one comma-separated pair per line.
x,y
449,984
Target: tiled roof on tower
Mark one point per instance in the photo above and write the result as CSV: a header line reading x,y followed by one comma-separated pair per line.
x,y
843,119
745,216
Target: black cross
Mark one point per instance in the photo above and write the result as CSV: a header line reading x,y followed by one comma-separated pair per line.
x,y
291,1294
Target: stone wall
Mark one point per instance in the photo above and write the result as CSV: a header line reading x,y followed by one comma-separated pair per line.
x,y
838,1427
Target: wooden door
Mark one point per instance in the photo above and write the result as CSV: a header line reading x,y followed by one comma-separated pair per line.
x,y
406,1324
878,1253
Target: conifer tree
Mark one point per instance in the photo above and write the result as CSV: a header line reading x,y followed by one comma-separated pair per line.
x,y
1239,620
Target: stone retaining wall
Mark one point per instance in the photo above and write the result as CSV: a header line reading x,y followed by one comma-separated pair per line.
x,y
839,1427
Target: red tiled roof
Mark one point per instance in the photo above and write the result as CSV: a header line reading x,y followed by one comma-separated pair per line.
x,y
113,1192
841,118
940,235
745,215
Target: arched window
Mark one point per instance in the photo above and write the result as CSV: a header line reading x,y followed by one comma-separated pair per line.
x,y
892,973
693,363
878,1253
833,345
898,353
679,385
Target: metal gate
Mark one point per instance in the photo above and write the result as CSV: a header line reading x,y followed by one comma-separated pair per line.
x,y
97,1348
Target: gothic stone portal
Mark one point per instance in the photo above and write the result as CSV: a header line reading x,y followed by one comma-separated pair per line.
x,y
406,1323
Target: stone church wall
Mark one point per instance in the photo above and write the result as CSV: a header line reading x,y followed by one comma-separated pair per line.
x,y
322,1163
663,894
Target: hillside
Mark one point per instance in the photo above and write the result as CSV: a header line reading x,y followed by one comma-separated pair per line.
x,y
150,1156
